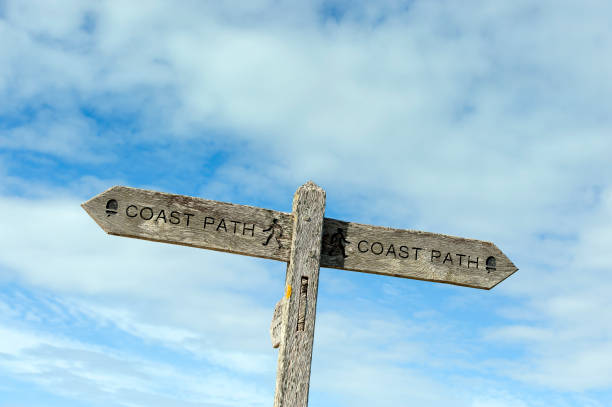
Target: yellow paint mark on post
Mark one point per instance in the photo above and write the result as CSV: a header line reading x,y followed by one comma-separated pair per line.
x,y
288,294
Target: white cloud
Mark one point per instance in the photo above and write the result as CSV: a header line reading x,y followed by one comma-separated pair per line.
x,y
152,292
136,294
481,119
500,402
565,325
102,375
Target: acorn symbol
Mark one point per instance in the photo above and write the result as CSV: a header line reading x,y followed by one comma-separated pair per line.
x,y
491,264
111,207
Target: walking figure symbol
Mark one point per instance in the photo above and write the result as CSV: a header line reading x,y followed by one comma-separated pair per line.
x,y
275,230
337,244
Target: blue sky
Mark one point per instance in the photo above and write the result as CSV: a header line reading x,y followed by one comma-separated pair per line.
x,y
488,120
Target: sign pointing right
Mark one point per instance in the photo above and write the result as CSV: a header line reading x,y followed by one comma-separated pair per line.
x,y
306,241
412,254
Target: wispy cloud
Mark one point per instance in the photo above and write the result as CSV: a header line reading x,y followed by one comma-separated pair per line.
x,y
478,119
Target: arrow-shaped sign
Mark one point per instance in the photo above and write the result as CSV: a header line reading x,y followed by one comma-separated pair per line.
x,y
413,254
189,221
258,232
306,240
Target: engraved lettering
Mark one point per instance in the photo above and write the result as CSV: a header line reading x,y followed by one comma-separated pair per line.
x,y
381,248
359,246
146,208
188,215
252,229
448,257
461,256
302,304
403,250
221,225
127,211
161,215
206,221
235,223
391,249
416,252
470,261
436,255
174,217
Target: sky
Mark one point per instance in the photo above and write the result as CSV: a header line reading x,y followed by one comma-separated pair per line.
x,y
487,120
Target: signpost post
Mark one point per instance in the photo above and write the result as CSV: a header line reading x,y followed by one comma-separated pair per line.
x,y
306,241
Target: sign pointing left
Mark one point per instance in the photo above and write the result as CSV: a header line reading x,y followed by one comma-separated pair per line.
x,y
305,240
190,221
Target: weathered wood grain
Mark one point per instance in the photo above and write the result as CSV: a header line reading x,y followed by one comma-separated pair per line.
x,y
298,314
253,231
276,324
190,221
307,241
412,254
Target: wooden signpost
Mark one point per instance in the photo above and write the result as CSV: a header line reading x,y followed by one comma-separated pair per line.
x,y
306,241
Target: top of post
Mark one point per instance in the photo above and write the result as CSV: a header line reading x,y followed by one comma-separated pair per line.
x,y
309,189
310,185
